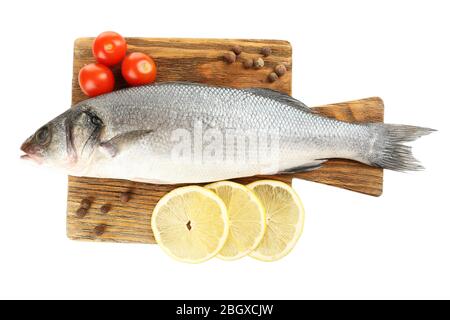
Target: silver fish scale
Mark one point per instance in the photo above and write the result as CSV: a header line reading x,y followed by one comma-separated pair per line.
x,y
303,136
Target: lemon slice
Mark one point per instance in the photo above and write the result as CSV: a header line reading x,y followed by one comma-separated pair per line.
x,y
284,219
247,219
190,224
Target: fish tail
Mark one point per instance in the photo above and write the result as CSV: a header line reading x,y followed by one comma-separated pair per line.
x,y
389,150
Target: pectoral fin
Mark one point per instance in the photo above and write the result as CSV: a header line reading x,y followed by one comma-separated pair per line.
x,y
108,149
113,146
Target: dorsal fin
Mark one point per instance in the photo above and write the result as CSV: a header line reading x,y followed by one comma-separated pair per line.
x,y
280,97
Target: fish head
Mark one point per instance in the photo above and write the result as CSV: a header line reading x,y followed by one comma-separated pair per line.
x,y
67,141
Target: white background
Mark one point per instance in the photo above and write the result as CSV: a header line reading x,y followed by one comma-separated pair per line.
x,y
353,246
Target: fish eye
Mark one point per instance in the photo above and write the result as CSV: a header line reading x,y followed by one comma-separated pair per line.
x,y
96,120
43,135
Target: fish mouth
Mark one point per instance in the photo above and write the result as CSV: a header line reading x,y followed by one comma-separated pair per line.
x,y
31,152
35,158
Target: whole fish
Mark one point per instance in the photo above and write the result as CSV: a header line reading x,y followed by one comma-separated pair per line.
x,y
188,133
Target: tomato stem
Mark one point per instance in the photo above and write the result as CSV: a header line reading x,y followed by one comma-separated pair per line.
x,y
144,66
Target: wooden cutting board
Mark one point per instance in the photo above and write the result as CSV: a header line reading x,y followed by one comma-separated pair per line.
x,y
201,60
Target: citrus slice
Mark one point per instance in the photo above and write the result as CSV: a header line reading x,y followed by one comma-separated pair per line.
x,y
190,224
284,219
247,219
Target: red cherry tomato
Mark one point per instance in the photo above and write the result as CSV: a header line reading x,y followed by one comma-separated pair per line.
x,y
96,79
109,48
138,69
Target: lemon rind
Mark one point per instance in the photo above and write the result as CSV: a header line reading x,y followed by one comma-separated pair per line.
x,y
299,231
256,199
180,191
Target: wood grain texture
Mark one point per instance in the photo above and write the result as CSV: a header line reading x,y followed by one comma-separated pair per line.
x,y
200,60
197,60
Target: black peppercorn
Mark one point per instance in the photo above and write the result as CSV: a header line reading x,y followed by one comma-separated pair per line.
x,y
236,49
273,77
266,51
229,57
